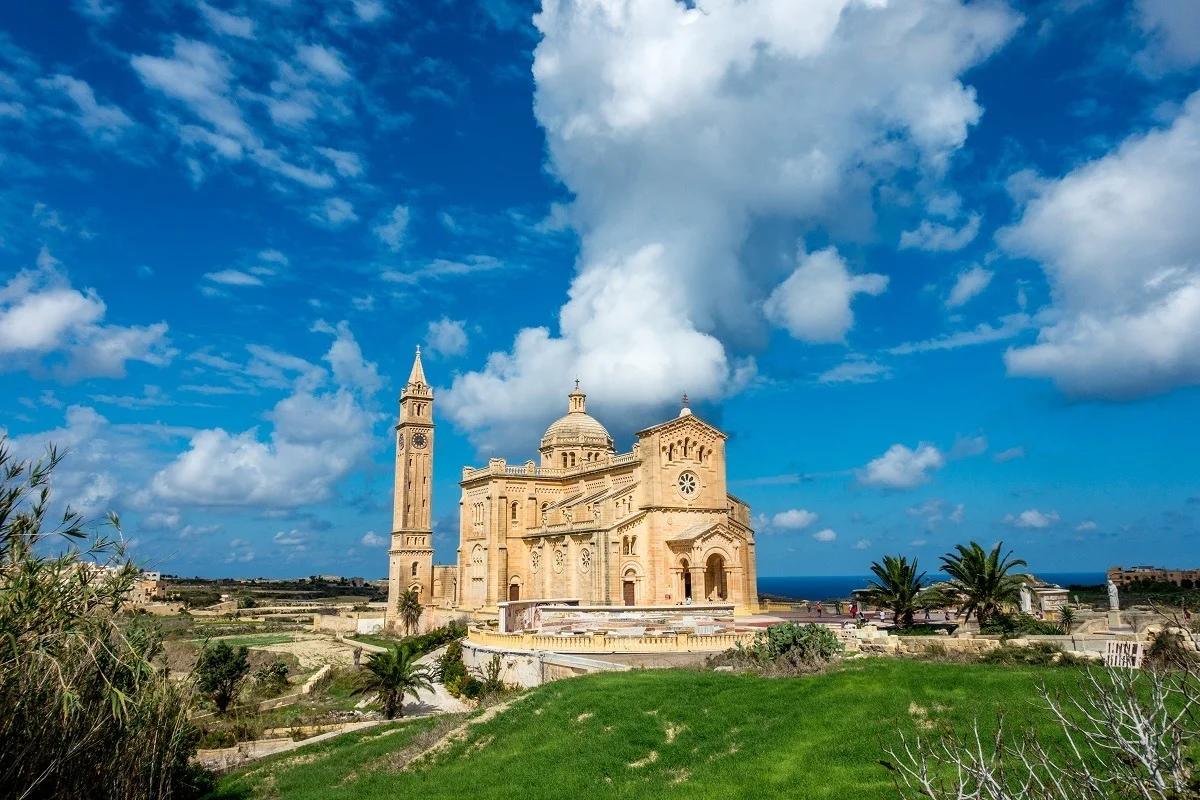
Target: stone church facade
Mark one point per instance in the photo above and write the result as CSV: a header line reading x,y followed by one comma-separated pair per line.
x,y
655,526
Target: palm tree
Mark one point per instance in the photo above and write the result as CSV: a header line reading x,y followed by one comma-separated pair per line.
x,y
1067,615
410,610
982,579
393,674
897,587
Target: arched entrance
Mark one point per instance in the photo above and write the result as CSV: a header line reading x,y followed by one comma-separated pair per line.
x,y
514,591
715,587
687,579
629,588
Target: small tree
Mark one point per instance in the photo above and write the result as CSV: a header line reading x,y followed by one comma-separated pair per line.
x,y
272,679
1066,615
983,578
896,587
410,610
393,674
220,672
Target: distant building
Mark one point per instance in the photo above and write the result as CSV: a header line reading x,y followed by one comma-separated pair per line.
x,y
1180,577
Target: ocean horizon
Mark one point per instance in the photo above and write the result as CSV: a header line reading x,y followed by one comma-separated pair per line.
x,y
833,587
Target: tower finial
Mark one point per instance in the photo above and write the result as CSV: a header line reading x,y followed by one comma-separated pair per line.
x,y
685,400
577,384
417,376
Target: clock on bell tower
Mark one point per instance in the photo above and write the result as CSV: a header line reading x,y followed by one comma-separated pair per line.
x,y
411,554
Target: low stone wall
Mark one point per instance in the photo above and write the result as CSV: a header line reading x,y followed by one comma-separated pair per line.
x,y
350,622
533,668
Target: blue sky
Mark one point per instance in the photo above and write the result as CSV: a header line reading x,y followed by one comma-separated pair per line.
x,y
933,265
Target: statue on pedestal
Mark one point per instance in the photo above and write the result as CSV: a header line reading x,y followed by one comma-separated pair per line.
x,y
1026,600
1114,603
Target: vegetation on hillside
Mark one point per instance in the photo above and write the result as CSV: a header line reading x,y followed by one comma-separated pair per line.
x,y
220,672
788,649
670,734
84,712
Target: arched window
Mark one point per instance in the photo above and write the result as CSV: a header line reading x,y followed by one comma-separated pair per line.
x,y
515,511
572,459
414,569
671,452
564,460
624,545
700,455
633,546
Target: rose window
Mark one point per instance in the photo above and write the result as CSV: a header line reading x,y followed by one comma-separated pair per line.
x,y
688,484
558,560
585,560
534,558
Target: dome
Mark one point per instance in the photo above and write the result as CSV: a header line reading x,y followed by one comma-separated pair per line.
x,y
577,428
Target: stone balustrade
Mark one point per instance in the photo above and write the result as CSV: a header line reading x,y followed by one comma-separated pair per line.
x,y
603,643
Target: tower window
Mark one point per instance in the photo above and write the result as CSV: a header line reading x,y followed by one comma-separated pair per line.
x,y
515,510
414,569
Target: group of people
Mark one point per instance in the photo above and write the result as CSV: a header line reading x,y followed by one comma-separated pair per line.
x,y
858,614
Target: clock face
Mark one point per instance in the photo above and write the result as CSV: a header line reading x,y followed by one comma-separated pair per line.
x,y
419,440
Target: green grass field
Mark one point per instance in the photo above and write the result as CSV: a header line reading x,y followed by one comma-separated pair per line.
x,y
670,734
255,639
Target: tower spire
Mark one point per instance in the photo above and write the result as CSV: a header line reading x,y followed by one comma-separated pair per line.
x,y
418,372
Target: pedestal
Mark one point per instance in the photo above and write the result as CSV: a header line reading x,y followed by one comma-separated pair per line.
x,y
1114,620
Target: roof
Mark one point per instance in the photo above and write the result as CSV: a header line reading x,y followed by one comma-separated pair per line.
x,y
691,532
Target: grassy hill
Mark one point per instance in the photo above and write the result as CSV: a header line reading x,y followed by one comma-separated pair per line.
x,y
666,734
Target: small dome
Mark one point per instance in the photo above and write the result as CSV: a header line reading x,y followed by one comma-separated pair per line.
x,y
577,428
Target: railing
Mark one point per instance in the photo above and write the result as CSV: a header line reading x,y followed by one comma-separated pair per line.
x,y
499,467
603,643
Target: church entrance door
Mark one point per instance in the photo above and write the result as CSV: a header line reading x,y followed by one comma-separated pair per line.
x,y
687,580
714,578
514,591
627,588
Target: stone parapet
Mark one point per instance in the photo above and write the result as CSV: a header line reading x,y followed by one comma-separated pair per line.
x,y
604,643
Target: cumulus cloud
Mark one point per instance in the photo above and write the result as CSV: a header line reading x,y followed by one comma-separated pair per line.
x,y
372,539
1173,28
447,337
862,544
319,433
902,468
1031,518
938,237
826,535
723,116
45,322
813,304
1119,240
969,283
794,519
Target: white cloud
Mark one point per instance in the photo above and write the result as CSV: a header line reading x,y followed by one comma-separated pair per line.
x,y
967,446
240,551
335,212
706,102
347,164
902,468
42,317
1009,327
96,10
1032,518
324,61
956,516
391,231
1173,28
1010,454
225,22
931,511
293,539
862,544
372,539
317,438
937,237
1086,525
794,519
969,283
447,337
813,304
233,277
100,121
856,369
1119,240
826,535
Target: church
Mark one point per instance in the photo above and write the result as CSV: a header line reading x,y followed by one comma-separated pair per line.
x,y
655,526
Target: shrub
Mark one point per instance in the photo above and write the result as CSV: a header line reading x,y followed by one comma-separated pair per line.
x,y
84,713
428,642
271,680
1167,652
1037,654
790,647
1012,625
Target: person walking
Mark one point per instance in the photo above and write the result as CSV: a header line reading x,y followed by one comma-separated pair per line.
x,y
820,610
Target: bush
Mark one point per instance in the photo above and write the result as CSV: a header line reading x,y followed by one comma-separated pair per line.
x,y
428,642
1037,654
790,647
271,680
1167,652
1014,625
84,713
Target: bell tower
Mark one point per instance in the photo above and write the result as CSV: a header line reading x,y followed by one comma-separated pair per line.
x,y
411,554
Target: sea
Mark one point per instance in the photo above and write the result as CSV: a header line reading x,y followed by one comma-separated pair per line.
x,y
834,587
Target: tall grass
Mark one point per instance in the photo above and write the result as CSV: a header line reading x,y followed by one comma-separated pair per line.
x,y
84,711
